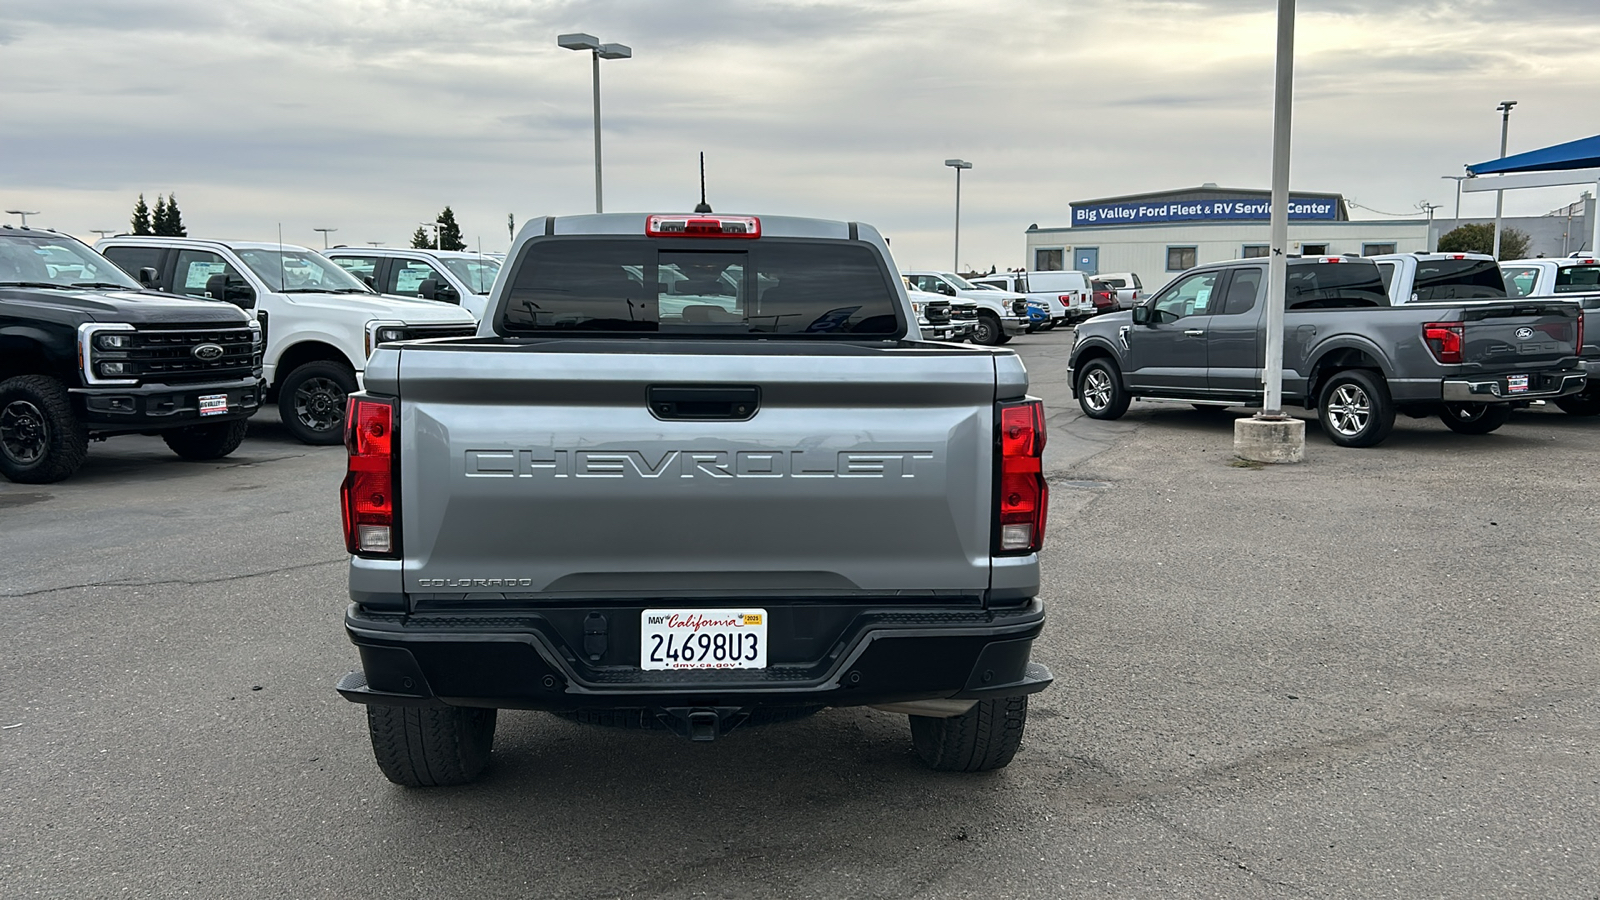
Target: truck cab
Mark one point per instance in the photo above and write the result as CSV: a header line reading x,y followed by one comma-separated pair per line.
x,y
1431,277
448,276
320,322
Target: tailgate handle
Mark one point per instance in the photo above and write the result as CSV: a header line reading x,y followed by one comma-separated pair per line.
x,y
735,403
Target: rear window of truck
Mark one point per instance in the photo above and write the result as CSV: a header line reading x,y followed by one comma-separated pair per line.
x,y
1334,286
802,289
1576,279
1458,279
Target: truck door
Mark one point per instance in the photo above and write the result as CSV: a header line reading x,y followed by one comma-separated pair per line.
x,y
1233,339
1168,355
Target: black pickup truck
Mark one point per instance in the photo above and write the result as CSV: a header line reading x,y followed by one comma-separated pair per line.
x,y
85,352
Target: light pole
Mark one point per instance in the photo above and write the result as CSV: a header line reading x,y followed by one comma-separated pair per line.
x,y
600,51
1428,208
103,232
958,165
376,243
438,233
1457,179
1500,196
24,213
325,232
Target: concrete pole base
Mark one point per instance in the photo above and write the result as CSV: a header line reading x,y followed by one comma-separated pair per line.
x,y
1276,439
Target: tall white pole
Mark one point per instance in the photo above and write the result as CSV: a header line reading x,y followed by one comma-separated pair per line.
x,y
955,264
1277,264
1500,196
598,205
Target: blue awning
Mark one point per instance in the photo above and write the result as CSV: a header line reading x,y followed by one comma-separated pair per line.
x,y
1580,154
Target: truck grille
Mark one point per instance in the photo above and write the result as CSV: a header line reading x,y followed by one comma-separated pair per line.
x,y
963,314
937,313
168,356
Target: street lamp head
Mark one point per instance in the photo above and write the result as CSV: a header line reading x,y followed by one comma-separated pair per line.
x,y
615,51
1505,105
958,164
578,41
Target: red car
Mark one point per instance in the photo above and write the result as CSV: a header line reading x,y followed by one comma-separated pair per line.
x,y
1105,297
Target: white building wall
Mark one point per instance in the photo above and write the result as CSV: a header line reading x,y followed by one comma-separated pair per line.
x,y
1143,248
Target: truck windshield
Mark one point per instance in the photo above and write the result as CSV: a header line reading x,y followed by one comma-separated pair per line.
x,y
1457,279
477,274
1576,279
772,287
51,260
296,271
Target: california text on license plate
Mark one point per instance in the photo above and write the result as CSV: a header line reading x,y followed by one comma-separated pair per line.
x,y
1516,384
703,639
213,404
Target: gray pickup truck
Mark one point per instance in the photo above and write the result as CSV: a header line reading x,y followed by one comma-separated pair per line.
x,y
1348,353
694,471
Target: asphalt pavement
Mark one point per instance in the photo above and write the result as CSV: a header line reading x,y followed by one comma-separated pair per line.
x,y
1370,675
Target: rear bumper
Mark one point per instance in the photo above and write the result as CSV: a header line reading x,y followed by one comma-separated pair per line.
x,y
533,659
1487,389
160,406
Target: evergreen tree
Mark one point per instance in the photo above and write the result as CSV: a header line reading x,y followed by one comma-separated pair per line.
x,y
159,219
511,225
141,217
174,219
421,239
449,231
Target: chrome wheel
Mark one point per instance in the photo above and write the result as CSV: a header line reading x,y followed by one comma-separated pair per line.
x,y
24,432
319,404
1097,389
1349,409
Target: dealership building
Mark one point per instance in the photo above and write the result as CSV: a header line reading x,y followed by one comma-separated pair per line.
x,y
1159,235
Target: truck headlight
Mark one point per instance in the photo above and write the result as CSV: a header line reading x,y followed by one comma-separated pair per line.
x,y
387,335
113,369
113,341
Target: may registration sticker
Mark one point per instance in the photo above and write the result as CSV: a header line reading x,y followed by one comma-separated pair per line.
x,y
703,639
213,404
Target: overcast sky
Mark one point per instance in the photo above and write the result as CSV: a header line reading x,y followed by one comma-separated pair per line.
x,y
371,115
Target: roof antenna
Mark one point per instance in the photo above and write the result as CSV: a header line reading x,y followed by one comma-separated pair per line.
x,y
702,206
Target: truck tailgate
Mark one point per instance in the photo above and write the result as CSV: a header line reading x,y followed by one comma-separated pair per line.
x,y
1507,335
542,469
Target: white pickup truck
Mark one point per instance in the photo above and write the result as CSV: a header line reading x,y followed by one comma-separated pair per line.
x,y
319,323
1577,278
1436,277
450,276
1001,314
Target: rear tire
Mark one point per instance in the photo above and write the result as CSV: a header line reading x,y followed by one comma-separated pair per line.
x,y
41,441
202,442
311,401
1100,392
982,739
1584,404
431,746
1354,408
1475,418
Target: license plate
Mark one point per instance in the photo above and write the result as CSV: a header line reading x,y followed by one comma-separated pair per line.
x,y
213,404
1516,384
703,639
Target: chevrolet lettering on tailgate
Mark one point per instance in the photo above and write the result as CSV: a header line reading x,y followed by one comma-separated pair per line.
x,y
694,463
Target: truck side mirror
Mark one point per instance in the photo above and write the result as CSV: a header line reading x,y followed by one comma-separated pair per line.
x,y
231,290
1141,314
367,280
148,277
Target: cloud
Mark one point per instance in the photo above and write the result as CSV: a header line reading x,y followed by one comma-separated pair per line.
x,y
370,115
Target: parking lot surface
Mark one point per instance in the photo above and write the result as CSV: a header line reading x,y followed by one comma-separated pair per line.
x,y
1370,675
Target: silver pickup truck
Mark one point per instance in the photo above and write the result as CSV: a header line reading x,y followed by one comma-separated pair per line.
x,y
1348,353
694,471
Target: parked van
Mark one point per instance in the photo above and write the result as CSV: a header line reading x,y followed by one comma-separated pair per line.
x,y
1067,294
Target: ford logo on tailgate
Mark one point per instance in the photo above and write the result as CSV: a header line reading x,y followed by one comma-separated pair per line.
x,y
1524,333
213,352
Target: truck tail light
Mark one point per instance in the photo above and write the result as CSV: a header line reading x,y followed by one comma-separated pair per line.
x,y
1022,498
367,497
703,226
1444,340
